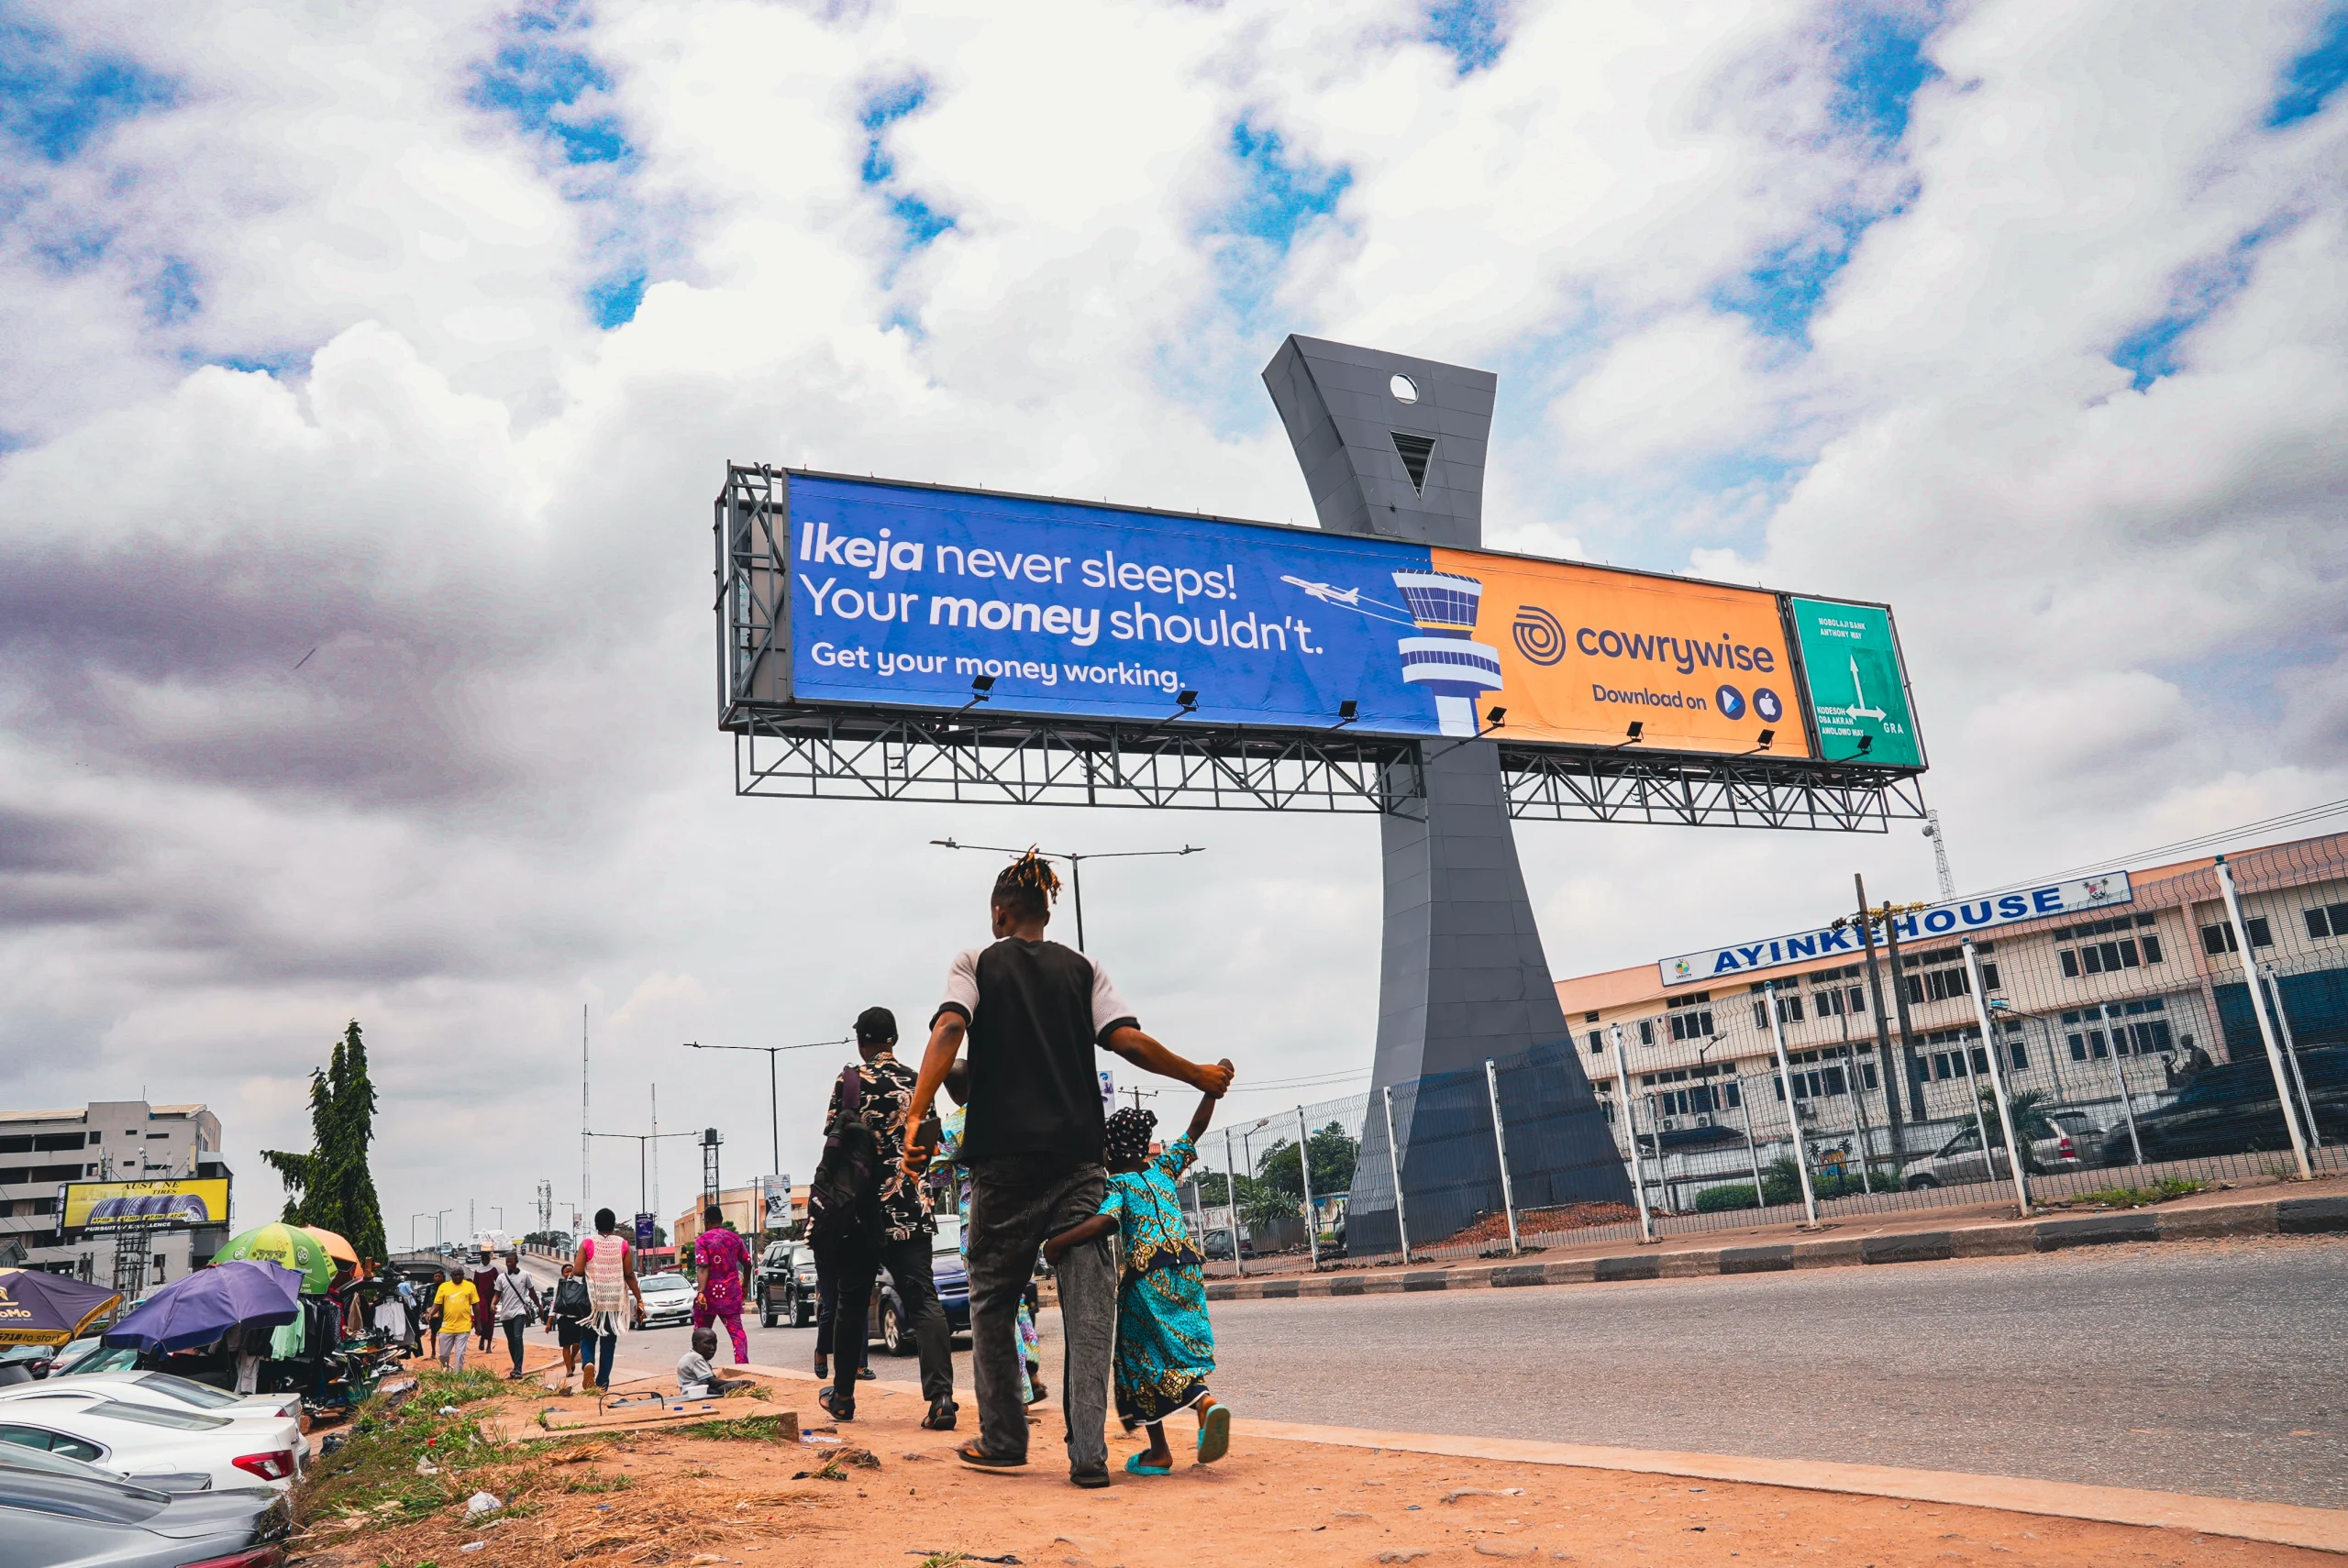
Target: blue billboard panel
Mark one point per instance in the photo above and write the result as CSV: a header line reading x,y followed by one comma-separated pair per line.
x,y
904,597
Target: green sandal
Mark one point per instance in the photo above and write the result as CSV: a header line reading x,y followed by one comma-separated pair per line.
x,y
1134,1466
1214,1434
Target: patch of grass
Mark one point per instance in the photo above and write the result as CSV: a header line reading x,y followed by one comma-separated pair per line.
x,y
599,1484
2160,1191
373,1474
749,1428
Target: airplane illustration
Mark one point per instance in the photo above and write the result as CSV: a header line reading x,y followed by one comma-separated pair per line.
x,y
1350,599
1858,708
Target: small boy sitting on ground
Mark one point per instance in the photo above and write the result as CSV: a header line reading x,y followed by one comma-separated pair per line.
x,y
696,1379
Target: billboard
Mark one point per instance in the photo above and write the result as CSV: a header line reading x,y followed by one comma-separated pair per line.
x,y
1858,690
1956,918
161,1204
904,596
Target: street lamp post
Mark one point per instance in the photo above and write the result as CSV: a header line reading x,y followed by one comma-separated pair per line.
x,y
410,1228
643,1140
774,1106
1075,867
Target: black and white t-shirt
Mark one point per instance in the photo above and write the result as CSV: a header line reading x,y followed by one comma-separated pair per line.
x,y
1037,1009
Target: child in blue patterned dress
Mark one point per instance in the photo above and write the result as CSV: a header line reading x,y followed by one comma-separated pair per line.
x,y
1165,1345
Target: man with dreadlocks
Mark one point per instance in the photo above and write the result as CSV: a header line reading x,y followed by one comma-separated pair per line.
x,y
1032,1013
1165,1345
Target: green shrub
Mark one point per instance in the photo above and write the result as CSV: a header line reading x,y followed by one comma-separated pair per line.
x,y
1719,1200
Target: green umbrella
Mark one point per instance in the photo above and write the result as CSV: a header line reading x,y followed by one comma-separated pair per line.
x,y
288,1246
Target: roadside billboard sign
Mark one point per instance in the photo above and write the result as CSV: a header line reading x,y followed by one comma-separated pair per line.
x,y
913,597
1858,688
85,1206
1956,918
778,1207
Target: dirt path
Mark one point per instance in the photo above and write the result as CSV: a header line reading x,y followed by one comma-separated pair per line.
x,y
664,1497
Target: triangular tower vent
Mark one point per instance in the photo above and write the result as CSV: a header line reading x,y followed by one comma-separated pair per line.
x,y
1415,452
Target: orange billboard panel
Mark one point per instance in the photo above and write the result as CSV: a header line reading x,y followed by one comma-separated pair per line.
x,y
1586,652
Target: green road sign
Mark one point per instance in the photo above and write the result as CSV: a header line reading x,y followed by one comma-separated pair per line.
x,y
1858,687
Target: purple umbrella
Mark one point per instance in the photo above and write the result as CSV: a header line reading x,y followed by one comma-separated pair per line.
x,y
197,1309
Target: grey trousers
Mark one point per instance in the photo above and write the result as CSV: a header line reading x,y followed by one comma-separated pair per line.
x,y
1016,1202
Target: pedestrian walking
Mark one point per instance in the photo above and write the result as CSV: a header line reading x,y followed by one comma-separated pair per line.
x,y
518,1303
721,1264
875,1214
452,1308
950,1130
485,1286
614,1299
1165,1345
827,1295
1032,1012
566,1311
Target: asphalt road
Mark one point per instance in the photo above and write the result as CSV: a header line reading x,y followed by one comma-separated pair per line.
x,y
2219,1368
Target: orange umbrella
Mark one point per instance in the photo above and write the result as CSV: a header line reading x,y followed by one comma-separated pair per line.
x,y
335,1245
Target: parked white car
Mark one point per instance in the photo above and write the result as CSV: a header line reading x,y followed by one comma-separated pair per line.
x,y
172,1391
85,1419
668,1298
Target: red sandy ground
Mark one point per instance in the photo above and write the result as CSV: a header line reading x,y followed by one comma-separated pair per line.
x,y
691,1501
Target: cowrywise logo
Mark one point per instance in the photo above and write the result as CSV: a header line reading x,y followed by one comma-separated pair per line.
x,y
1538,634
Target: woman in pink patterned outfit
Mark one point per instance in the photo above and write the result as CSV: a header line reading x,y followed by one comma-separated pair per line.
x,y
721,1263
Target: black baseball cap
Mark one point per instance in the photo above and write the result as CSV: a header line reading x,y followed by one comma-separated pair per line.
x,y
876,1023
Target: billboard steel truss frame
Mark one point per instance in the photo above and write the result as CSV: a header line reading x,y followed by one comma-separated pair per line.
x,y
975,756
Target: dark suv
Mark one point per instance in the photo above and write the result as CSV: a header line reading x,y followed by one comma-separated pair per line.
x,y
785,1284
2232,1109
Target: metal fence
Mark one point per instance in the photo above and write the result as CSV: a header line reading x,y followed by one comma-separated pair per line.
x,y
2120,1052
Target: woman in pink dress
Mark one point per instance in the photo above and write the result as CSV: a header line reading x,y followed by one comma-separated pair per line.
x,y
721,1263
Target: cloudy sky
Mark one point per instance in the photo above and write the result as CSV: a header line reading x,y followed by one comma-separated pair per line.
x,y
369,368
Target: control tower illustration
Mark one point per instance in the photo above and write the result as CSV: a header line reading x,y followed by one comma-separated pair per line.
x,y
1443,658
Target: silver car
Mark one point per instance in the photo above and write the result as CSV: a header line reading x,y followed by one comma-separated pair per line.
x,y
56,1509
1958,1161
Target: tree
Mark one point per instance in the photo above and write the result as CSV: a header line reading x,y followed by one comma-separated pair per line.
x,y
1334,1153
331,1186
2031,1123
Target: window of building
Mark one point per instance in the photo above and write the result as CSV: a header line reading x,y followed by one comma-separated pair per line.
x,y
1646,1032
1597,1042
1590,1018
1692,1025
2328,919
2218,940
1940,985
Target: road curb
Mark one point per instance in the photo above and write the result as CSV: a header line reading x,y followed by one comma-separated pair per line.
x,y
2266,1217
2284,1524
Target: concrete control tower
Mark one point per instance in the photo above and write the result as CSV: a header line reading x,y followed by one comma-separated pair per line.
x,y
1394,447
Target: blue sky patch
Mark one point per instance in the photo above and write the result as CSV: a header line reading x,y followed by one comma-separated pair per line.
x,y
2149,352
1282,195
170,296
1880,64
882,109
2310,79
1470,30
53,101
614,301
537,76
282,365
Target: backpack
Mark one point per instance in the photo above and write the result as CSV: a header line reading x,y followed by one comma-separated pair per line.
x,y
570,1299
843,1199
